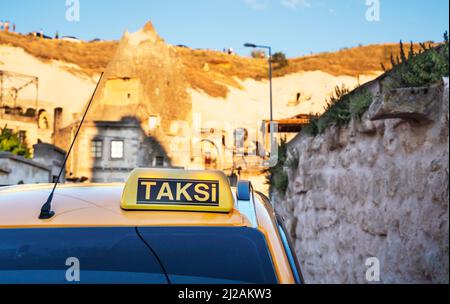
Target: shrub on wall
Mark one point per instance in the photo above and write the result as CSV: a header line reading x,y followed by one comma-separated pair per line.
x,y
359,103
421,68
276,176
340,109
416,69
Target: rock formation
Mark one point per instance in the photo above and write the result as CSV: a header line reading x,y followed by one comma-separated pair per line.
x,y
144,65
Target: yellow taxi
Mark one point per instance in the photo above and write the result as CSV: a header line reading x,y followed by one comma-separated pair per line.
x,y
161,227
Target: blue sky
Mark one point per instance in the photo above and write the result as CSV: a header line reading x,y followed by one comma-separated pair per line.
x,y
296,27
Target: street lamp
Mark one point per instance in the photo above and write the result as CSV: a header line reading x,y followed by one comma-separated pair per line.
x,y
251,45
273,146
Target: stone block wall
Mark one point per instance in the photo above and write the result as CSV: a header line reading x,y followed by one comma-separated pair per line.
x,y
375,188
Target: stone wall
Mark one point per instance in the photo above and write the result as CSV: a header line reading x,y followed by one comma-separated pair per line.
x,y
375,188
19,170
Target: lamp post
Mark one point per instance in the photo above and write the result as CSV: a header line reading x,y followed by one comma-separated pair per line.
x,y
273,146
251,45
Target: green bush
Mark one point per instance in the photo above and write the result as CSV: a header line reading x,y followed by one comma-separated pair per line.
x,y
10,142
280,180
421,68
359,103
312,128
341,108
276,177
279,60
336,111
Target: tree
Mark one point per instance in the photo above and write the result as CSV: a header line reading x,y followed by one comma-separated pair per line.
x,y
279,59
10,142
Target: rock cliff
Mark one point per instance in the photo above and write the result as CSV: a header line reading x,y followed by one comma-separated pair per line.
x,y
378,187
149,71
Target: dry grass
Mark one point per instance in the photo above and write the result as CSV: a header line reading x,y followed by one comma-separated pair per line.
x,y
211,71
91,57
353,62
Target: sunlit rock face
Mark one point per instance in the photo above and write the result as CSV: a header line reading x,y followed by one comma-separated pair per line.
x,y
144,78
145,81
375,189
418,104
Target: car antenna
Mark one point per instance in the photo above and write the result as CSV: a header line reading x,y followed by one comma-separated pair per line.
x,y
46,210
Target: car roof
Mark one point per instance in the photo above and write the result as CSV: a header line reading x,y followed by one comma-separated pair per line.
x,y
92,205
98,205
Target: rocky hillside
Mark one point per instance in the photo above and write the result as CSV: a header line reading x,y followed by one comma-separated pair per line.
x,y
221,87
224,88
210,71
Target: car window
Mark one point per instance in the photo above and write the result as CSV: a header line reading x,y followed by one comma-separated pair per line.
x,y
190,255
212,254
105,255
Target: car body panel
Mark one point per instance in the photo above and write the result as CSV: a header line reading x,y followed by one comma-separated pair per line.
x,y
267,225
99,205
94,205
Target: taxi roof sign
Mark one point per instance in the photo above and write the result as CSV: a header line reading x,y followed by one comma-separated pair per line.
x,y
177,190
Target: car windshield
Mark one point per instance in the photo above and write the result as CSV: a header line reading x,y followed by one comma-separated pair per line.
x,y
212,254
188,255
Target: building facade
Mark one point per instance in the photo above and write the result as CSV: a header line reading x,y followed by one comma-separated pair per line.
x,y
107,151
33,125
